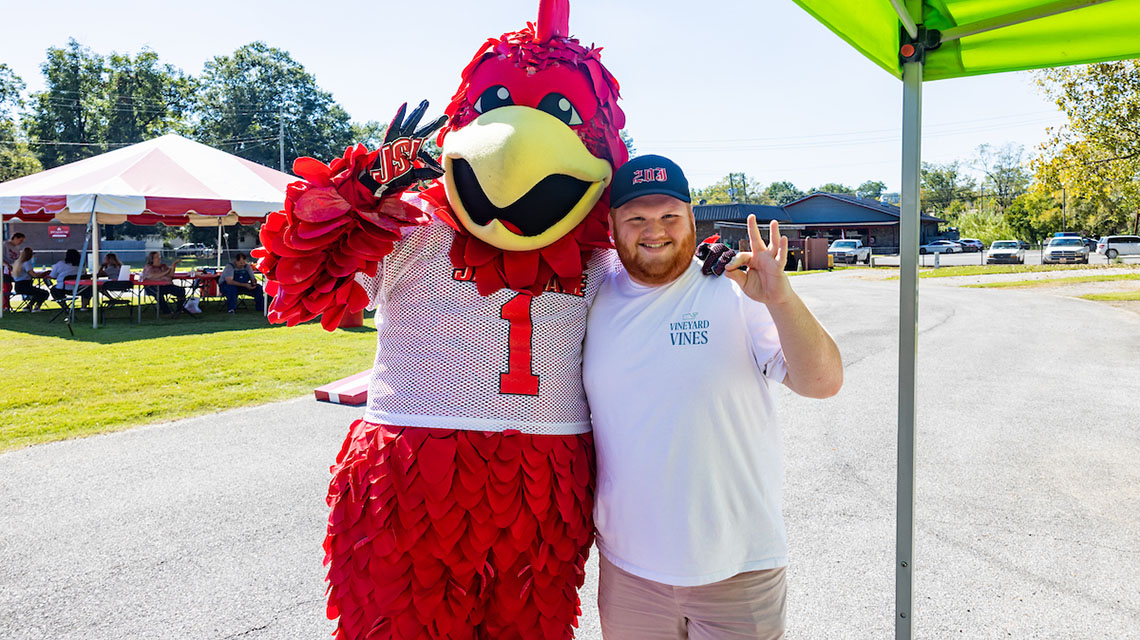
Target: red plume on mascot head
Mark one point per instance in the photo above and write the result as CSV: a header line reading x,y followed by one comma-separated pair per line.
x,y
531,146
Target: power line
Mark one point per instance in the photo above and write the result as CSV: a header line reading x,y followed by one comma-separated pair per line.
x,y
231,142
844,138
151,100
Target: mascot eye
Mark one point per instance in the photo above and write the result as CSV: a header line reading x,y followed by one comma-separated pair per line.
x,y
559,106
493,98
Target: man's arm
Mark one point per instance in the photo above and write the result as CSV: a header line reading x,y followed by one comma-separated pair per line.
x,y
815,368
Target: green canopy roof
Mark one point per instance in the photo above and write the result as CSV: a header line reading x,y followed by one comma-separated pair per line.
x,y
1045,34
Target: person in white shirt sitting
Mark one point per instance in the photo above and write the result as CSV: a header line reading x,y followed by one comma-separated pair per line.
x,y
64,273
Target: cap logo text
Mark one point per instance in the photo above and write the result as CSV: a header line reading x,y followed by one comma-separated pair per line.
x,y
650,175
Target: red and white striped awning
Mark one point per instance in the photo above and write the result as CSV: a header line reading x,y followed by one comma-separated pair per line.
x,y
168,180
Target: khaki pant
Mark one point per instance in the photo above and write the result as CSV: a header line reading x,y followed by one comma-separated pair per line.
x,y
747,605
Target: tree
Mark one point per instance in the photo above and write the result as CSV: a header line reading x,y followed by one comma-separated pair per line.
x,y
16,159
1033,215
144,98
832,187
871,189
942,185
628,140
781,193
1095,158
735,187
67,115
370,134
243,99
93,103
1005,177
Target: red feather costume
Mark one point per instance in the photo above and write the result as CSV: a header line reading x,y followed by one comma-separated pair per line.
x,y
453,518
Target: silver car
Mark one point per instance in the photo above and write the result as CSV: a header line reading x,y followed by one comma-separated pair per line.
x,y
1113,246
940,246
1065,250
1006,252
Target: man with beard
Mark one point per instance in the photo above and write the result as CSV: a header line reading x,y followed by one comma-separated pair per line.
x,y
680,373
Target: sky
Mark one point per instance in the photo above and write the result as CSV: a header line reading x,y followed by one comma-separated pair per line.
x,y
756,87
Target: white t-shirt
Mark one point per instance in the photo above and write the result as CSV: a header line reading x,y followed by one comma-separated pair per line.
x,y
689,451
61,270
448,357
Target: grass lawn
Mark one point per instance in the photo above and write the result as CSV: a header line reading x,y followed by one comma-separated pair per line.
x,y
58,386
996,269
1053,282
1118,296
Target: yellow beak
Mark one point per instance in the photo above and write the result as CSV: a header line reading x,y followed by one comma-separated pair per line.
x,y
520,179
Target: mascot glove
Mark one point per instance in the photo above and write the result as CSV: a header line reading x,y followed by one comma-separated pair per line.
x,y
714,256
401,160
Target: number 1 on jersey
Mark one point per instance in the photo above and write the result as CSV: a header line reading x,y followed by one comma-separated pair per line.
x,y
519,378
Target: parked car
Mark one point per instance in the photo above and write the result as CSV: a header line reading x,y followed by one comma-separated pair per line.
x,y
1007,252
1090,243
850,251
1113,246
941,246
971,244
1065,249
193,249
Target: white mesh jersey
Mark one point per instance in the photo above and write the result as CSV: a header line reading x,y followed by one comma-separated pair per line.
x,y
447,357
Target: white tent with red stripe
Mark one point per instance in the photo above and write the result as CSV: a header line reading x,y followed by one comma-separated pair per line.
x,y
168,180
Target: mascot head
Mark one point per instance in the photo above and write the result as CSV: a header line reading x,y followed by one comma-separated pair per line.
x,y
532,142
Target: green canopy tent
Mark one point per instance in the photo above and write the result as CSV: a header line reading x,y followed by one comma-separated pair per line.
x,y
922,40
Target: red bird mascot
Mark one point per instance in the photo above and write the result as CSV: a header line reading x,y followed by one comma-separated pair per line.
x,y
461,503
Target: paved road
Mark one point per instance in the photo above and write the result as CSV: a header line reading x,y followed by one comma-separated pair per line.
x,y
1028,492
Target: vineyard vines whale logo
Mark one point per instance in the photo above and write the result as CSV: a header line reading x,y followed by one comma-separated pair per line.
x,y
689,330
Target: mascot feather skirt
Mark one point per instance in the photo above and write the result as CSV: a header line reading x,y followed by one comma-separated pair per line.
x,y
461,503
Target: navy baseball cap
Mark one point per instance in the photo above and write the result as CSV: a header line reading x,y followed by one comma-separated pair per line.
x,y
648,175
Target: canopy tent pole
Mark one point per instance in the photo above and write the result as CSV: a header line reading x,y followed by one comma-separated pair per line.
x,y
905,18
908,344
219,252
82,266
95,271
3,302
1017,17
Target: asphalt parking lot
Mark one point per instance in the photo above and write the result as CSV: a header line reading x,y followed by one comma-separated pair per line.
x,y
1028,492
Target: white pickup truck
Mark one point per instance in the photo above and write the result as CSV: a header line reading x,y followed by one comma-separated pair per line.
x,y
849,251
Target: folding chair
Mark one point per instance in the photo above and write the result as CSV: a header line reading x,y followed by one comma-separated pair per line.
x,y
114,295
9,294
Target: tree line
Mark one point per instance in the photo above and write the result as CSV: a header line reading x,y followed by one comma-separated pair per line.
x,y
739,187
240,103
1085,177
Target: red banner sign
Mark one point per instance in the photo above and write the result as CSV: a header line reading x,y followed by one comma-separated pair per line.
x,y
58,231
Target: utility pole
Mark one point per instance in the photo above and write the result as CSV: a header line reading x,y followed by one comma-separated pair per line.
x,y
731,188
281,134
1064,207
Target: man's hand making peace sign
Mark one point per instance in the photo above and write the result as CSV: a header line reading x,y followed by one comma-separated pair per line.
x,y
765,280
